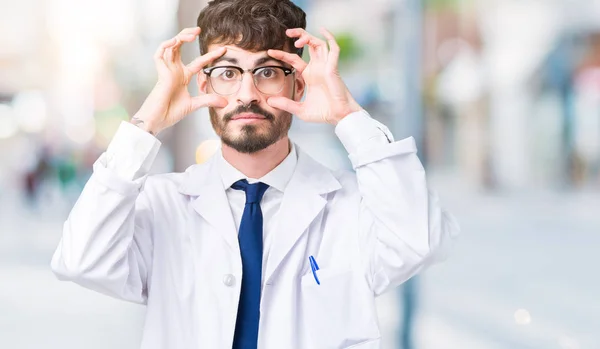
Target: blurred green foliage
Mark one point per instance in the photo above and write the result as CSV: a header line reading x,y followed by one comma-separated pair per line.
x,y
350,48
437,5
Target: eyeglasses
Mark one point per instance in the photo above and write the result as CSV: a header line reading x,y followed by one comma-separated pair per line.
x,y
227,80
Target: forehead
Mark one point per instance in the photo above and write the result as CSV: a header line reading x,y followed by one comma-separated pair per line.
x,y
244,57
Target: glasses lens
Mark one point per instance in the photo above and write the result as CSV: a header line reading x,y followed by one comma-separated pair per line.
x,y
269,80
225,80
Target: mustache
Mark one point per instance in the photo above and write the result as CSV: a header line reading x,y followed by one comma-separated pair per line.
x,y
252,108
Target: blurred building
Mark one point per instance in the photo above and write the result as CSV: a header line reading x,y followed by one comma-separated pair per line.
x,y
489,69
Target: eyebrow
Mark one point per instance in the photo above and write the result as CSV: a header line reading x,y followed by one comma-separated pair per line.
x,y
225,59
258,62
266,59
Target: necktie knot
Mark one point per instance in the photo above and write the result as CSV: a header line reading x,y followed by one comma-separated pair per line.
x,y
254,192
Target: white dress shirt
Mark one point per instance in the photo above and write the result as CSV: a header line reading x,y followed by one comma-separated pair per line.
x,y
277,180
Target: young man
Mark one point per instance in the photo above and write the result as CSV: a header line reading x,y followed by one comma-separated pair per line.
x,y
260,247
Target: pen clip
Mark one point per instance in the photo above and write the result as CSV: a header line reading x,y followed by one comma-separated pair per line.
x,y
314,267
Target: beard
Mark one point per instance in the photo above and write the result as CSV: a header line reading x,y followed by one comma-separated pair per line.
x,y
252,138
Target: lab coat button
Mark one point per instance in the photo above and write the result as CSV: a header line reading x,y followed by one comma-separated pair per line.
x,y
229,280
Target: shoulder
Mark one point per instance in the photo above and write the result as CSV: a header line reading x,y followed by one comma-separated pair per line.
x,y
164,180
317,172
176,183
346,178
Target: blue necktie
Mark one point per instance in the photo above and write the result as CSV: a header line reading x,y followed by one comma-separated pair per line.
x,y
251,249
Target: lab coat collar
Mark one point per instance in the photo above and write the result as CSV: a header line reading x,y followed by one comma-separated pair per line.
x,y
204,186
318,177
277,178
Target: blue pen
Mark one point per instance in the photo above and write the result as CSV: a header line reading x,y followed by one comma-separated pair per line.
x,y
314,266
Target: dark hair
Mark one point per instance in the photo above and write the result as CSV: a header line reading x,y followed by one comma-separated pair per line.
x,y
254,25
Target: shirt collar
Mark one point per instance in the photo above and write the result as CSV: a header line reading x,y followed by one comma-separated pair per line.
x,y
278,178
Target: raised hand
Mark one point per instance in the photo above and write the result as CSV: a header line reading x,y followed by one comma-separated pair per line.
x,y
170,101
327,98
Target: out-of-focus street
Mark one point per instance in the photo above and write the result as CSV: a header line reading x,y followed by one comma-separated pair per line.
x,y
522,275
38,311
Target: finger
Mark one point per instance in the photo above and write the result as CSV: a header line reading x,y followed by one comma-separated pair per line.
x,y
197,64
285,104
311,41
186,35
290,58
181,38
208,100
191,30
295,32
160,52
304,38
334,49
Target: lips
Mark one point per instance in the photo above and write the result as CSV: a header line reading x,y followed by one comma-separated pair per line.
x,y
248,116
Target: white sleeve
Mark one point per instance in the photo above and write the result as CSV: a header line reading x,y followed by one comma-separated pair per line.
x,y
131,152
403,228
107,242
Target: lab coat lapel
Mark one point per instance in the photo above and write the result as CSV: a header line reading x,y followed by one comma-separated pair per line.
x,y
303,200
204,183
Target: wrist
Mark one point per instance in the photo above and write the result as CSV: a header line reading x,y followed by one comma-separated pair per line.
x,y
144,125
353,107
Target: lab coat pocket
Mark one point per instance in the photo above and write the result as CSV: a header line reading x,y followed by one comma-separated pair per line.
x,y
340,311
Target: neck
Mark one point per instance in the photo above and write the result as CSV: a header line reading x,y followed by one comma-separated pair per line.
x,y
258,164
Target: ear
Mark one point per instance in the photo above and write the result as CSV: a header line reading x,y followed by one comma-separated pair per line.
x,y
202,82
300,85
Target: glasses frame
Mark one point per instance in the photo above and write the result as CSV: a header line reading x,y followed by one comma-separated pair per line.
x,y
286,72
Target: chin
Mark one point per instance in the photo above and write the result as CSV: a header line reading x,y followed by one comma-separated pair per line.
x,y
250,141
247,146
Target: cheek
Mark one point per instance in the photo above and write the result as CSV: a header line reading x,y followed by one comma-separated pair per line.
x,y
231,106
288,89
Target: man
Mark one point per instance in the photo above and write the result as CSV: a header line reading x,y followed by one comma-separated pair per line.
x,y
260,247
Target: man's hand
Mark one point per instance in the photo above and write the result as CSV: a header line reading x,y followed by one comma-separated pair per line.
x,y
170,101
327,98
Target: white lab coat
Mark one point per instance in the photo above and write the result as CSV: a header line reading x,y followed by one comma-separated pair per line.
x,y
169,241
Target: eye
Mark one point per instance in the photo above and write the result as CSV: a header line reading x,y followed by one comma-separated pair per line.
x,y
267,73
225,73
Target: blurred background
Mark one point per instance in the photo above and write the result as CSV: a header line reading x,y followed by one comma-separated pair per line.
x,y
502,96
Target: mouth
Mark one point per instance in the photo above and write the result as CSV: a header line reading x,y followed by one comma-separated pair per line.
x,y
248,116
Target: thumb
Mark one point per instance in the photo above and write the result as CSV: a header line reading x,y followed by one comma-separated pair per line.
x,y
285,104
208,100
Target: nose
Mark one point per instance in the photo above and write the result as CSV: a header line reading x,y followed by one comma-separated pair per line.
x,y
247,94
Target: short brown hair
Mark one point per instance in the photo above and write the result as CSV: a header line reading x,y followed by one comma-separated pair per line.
x,y
254,25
